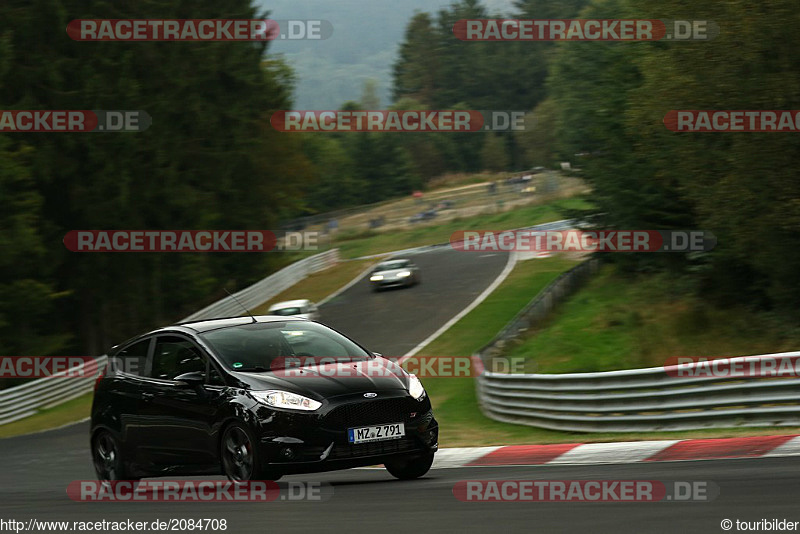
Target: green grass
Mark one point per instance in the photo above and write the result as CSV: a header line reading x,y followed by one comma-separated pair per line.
x,y
618,322
367,243
455,403
70,411
319,285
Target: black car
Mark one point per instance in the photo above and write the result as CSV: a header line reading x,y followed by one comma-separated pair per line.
x,y
222,396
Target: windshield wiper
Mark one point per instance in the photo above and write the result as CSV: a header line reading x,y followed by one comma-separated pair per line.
x,y
254,369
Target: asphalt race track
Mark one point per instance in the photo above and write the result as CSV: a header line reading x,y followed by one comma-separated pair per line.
x,y
395,320
38,468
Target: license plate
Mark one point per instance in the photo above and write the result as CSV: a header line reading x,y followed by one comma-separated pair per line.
x,y
366,434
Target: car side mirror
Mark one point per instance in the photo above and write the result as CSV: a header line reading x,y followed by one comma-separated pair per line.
x,y
194,379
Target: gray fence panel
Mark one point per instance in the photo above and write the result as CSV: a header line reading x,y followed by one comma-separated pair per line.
x,y
632,400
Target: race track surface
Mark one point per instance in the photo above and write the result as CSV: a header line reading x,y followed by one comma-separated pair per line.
x,y
394,321
38,468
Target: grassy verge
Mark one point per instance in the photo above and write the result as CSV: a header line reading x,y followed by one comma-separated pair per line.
x,y
618,322
454,399
367,243
319,285
455,404
70,411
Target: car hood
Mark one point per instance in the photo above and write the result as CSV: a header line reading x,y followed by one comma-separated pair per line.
x,y
392,272
331,379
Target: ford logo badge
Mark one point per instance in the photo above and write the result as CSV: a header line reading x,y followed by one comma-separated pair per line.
x,y
370,395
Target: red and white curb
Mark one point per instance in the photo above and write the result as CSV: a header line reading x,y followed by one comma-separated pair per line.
x,y
619,452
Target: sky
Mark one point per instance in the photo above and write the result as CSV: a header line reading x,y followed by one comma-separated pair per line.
x,y
364,44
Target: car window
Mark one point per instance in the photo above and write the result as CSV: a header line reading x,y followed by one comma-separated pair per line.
x,y
287,311
307,342
174,356
266,346
390,265
132,359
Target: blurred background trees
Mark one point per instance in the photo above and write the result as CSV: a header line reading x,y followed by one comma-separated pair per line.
x,y
211,159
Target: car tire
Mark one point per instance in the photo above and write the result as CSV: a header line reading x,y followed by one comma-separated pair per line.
x,y
410,468
239,456
109,464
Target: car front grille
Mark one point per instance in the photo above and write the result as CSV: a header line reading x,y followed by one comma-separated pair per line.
x,y
377,448
369,412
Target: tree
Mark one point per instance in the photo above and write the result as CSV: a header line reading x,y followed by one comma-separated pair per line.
x,y
493,154
538,141
210,160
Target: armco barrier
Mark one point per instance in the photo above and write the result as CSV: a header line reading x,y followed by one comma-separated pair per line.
x,y
262,291
635,400
26,399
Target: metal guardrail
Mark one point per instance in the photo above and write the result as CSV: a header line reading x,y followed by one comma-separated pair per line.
x,y
262,291
26,399
634,400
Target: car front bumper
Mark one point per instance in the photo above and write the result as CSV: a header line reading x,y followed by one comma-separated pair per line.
x,y
392,282
297,443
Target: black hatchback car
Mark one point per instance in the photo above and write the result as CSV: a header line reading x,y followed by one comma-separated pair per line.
x,y
222,396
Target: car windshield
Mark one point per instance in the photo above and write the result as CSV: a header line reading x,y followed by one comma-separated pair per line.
x,y
264,347
287,311
390,265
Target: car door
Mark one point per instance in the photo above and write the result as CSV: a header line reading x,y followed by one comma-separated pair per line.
x,y
128,370
180,418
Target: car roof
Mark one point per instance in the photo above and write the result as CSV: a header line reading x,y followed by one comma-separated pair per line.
x,y
213,324
290,304
206,325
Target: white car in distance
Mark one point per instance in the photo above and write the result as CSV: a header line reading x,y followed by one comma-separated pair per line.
x,y
298,308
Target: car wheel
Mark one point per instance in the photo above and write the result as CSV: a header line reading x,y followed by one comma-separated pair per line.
x,y
107,458
410,468
240,459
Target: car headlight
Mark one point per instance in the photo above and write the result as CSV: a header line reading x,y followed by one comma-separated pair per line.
x,y
284,399
403,274
415,387
376,277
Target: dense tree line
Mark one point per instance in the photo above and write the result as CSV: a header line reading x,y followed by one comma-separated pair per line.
x,y
607,101
611,101
209,161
